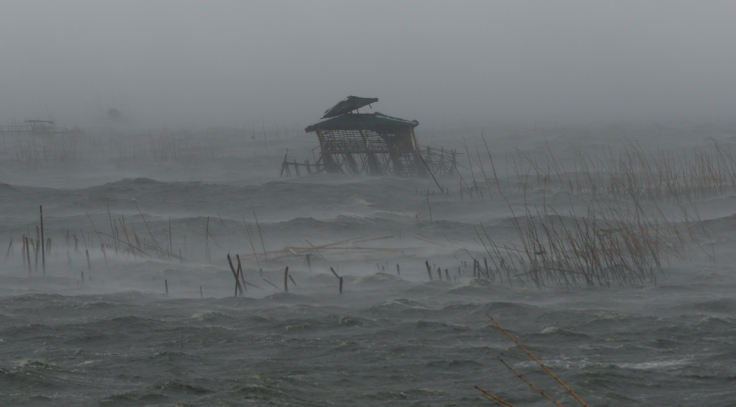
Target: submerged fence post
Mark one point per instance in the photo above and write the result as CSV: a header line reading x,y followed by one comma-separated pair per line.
x,y
286,280
43,245
340,285
429,269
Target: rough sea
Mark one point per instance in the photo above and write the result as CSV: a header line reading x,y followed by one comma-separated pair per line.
x,y
107,333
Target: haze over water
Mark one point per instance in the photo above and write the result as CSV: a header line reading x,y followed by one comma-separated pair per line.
x,y
211,97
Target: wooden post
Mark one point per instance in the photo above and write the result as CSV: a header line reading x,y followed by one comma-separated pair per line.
x,y
166,284
207,240
43,245
235,274
23,251
170,246
286,280
447,274
36,249
200,292
240,272
28,254
104,253
309,264
258,225
89,264
398,270
340,285
10,246
429,270
284,164
439,273
430,208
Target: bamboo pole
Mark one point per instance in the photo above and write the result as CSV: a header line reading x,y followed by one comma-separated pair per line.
x,y
10,246
43,243
530,384
537,360
258,225
235,275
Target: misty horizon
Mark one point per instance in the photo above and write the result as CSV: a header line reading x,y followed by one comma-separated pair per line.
x,y
180,64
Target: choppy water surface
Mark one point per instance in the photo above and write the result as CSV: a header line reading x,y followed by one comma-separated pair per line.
x,y
117,339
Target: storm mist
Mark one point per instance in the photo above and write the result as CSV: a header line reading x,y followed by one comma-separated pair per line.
x,y
192,212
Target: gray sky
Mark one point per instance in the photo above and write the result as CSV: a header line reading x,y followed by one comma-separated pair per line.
x,y
179,63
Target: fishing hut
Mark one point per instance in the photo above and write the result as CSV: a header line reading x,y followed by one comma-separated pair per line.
x,y
351,142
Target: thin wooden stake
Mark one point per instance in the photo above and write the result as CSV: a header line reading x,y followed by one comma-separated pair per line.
x,y
240,273
10,246
235,275
170,245
529,383
258,225
494,398
430,208
537,360
43,244
272,284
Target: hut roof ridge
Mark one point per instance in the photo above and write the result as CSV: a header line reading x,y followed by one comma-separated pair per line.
x,y
351,121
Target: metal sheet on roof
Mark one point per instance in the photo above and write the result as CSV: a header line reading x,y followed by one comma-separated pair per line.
x,y
361,121
348,105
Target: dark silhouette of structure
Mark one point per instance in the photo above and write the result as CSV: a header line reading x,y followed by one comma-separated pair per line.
x,y
372,143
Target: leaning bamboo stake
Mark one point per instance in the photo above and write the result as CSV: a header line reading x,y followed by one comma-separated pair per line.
x,y
240,274
235,275
537,360
207,241
272,284
155,242
529,383
258,225
250,239
125,232
43,243
495,398
10,246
